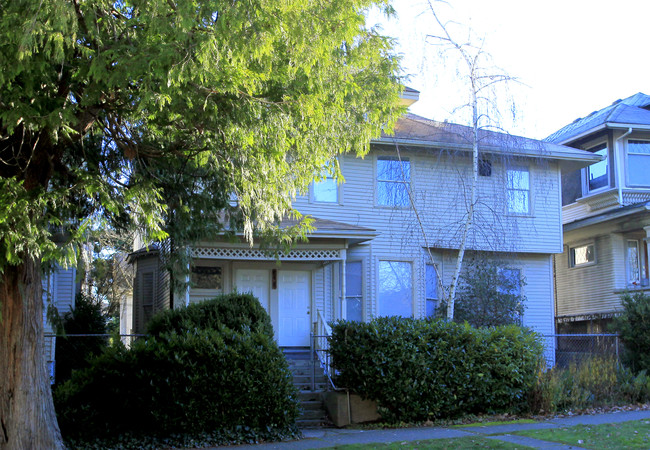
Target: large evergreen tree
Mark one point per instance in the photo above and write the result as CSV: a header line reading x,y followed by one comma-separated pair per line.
x,y
151,112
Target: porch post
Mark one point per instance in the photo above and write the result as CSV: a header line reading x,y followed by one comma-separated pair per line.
x,y
646,275
344,302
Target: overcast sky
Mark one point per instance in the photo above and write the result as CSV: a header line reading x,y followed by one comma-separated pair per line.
x,y
572,56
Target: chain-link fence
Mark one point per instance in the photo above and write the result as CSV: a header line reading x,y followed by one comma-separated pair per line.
x,y
566,349
65,353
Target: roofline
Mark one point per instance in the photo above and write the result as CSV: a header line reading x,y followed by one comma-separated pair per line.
x,y
604,126
490,148
609,215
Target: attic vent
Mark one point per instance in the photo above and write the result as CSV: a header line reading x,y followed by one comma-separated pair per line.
x,y
485,167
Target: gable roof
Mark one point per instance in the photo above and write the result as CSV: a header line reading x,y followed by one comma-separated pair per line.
x,y
414,130
620,114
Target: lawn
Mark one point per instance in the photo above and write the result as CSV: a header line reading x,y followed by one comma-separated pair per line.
x,y
434,444
635,434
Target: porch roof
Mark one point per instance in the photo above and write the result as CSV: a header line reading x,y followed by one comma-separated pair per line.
x,y
622,212
325,228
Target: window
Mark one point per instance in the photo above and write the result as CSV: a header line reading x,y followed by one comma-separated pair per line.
x,y
598,174
431,294
327,190
353,296
395,289
393,178
582,255
638,162
509,282
518,190
203,277
633,262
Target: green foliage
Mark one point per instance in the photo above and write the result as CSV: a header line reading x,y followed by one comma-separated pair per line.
x,y
418,370
239,312
73,353
633,327
596,381
489,294
219,381
150,114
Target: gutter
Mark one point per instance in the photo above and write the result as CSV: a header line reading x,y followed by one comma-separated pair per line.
x,y
619,167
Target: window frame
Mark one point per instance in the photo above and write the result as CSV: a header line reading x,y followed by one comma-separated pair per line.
x,y
407,183
328,176
411,264
209,264
427,298
529,209
362,294
628,265
595,149
627,161
571,249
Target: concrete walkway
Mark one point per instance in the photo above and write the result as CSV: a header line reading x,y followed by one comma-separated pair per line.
x,y
329,437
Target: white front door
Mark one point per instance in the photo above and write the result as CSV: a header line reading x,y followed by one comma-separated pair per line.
x,y
255,282
294,302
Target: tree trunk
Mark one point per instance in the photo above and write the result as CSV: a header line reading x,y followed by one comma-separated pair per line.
x,y
27,418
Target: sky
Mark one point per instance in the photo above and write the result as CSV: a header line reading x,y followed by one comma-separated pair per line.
x,y
570,57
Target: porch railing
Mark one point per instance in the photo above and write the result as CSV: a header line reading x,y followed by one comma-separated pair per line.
x,y
320,348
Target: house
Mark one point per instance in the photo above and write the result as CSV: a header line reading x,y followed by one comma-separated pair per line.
x,y
60,287
605,215
386,236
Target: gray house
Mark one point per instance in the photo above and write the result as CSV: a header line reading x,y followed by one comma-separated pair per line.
x,y
605,215
386,236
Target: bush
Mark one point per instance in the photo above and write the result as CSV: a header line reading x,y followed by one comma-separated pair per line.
x,y
73,353
418,370
233,384
598,381
633,327
238,312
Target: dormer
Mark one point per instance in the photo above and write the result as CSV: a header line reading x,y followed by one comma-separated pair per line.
x,y
620,134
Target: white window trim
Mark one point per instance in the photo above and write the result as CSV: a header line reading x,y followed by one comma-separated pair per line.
x,y
582,244
520,167
376,181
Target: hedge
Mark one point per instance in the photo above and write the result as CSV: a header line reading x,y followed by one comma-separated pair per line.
x,y
220,381
418,370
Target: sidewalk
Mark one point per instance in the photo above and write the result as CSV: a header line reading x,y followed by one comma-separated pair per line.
x,y
329,437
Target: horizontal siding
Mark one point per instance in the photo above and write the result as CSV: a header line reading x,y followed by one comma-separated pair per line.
x,y
435,181
588,289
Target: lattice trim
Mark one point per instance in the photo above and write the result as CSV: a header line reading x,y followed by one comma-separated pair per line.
x,y
635,197
258,255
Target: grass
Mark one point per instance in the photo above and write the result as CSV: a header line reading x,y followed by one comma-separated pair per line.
x,y
434,444
634,434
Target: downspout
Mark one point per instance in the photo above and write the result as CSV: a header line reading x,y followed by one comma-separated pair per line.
x,y
619,167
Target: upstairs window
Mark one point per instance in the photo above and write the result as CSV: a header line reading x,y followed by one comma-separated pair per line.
x,y
326,190
638,163
598,174
393,179
582,255
518,190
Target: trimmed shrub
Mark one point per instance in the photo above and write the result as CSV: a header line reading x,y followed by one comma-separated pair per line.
x,y
231,384
238,312
418,370
633,327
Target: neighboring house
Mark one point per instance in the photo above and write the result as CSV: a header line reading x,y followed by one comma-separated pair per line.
x,y
59,290
368,254
605,215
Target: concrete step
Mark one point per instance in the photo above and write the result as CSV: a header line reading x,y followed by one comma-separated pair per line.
x,y
309,396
